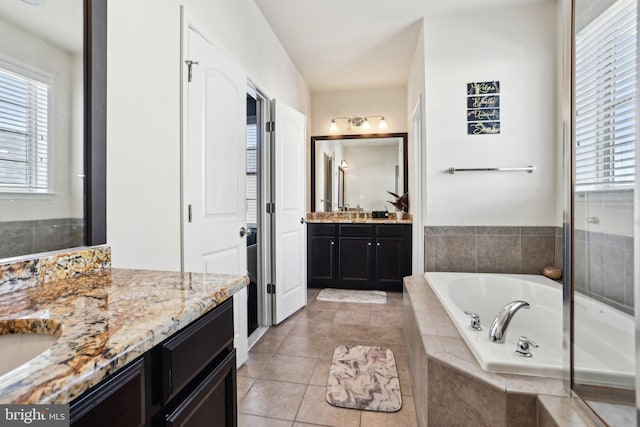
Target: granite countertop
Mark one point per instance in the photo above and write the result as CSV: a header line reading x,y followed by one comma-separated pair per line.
x,y
346,218
360,221
105,320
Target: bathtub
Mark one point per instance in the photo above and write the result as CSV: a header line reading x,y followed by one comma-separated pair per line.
x,y
606,335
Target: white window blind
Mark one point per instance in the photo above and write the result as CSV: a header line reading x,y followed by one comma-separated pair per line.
x,y
24,134
252,181
606,99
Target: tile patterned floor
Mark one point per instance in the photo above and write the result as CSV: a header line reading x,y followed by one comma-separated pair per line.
x,y
284,381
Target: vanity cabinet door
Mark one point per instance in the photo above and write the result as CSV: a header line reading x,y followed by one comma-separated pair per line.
x,y
117,401
393,256
355,261
322,248
390,260
212,403
321,259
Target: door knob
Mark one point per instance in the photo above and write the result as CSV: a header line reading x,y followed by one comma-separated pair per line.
x,y
245,232
302,221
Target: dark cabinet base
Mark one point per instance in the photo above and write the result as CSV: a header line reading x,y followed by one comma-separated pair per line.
x,y
358,256
189,380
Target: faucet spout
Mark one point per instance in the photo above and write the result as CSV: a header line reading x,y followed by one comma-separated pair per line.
x,y
499,326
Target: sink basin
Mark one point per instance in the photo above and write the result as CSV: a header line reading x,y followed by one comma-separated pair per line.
x,y
23,339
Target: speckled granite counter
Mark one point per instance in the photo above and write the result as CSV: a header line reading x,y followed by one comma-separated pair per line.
x,y
354,218
359,221
107,319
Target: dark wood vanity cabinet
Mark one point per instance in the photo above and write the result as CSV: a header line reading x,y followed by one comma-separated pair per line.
x,y
321,241
358,256
355,255
187,380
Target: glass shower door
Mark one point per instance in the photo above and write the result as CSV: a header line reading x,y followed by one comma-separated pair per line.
x,y
605,49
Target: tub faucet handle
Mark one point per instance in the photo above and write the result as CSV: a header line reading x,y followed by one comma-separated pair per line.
x,y
523,347
475,321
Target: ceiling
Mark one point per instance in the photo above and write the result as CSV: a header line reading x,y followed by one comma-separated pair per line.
x,y
356,44
60,22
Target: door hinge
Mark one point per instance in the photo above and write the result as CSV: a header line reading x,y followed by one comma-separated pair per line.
x,y
189,214
271,207
271,126
189,65
271,288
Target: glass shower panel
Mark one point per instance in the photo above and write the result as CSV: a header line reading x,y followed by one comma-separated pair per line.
x,y
605,47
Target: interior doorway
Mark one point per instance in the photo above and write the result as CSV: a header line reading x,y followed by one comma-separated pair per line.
x,y
257,195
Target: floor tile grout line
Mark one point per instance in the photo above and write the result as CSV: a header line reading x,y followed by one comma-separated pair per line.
x,y
295,417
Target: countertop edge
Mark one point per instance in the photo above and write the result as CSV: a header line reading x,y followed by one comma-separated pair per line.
x,y
66,381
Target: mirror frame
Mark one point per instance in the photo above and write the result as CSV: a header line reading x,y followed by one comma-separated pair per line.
x,y
314,139
95,121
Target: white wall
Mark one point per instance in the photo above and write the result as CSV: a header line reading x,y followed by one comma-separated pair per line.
x,y
143,113
390,102
23,49
517,46
370,175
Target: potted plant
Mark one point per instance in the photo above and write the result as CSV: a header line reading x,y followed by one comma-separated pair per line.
x,y
401,204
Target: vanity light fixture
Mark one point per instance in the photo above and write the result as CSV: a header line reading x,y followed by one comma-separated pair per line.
x,y
358,122
344,164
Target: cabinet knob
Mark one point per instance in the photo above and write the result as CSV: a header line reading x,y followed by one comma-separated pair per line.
x,y
369,244
378,244
333,243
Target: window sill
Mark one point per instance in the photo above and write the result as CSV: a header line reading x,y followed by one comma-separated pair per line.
x,y
26,195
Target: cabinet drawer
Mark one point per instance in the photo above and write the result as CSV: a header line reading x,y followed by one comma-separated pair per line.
x,y
185,355
213,402
118,401
392,230
355,230
322,229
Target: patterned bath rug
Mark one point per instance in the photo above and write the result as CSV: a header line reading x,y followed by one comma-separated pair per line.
x,y
363,377
346,295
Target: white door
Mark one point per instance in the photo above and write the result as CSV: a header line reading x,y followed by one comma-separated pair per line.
x,y
214,170
290,231
214,162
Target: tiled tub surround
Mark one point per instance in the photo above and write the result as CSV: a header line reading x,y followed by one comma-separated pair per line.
x,y
109,318
450,387
354,218
19,273
604,268
28,237
483,249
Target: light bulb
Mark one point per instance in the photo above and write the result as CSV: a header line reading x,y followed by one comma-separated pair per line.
x,y
383,124
365,124
333,126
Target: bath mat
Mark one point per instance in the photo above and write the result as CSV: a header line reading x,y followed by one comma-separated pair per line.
x,y
345,295
363,377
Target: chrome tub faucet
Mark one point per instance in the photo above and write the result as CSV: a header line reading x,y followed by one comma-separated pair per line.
x,y
499,326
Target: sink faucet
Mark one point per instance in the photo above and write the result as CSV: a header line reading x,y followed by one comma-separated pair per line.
x,y
358,211
501,322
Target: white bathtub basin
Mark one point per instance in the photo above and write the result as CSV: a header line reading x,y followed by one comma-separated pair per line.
x,y
605,361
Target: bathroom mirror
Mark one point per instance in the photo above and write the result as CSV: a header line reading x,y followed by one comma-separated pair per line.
x,y
52,125
604,144
348,171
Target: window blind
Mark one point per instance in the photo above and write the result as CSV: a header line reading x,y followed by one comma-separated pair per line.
x,y
24,134
252,181
606,98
